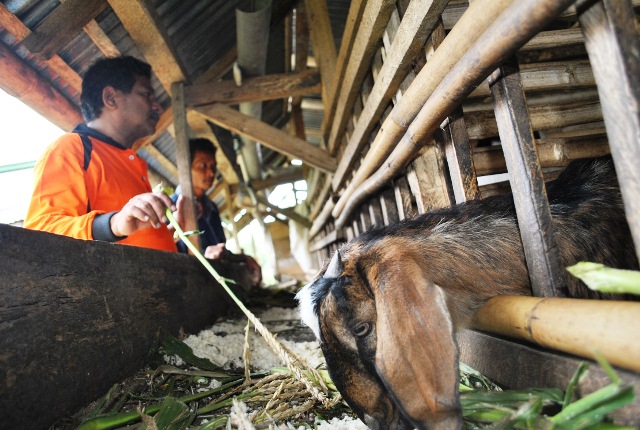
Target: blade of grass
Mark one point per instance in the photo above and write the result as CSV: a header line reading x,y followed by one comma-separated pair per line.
x,y
111,421
599,277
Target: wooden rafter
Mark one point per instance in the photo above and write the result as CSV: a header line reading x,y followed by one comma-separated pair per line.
x,y
322,40
268,136
268,87
149,38
62,25
21,81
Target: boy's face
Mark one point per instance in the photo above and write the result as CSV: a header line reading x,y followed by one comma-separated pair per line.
x,y
203,172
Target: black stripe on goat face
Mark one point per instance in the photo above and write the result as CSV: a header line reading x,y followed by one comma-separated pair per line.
x,y
347,317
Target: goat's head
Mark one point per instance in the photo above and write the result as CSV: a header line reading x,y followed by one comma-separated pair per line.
x,y
387,338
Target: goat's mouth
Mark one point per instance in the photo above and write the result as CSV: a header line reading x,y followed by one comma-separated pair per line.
x,y
393,420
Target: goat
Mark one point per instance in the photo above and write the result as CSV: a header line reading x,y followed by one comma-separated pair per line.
x,y
387,305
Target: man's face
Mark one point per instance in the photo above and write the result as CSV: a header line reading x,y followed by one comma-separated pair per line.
x,y
203,172
141,111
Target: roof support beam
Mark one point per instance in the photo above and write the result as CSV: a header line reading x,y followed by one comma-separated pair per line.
x,y
268,87
21,81
268,136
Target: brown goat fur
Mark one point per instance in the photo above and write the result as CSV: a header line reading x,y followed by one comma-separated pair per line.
x,y
386,307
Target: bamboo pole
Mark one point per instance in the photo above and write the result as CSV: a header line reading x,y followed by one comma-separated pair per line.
x,y
576,326
479,15
512,29
551,153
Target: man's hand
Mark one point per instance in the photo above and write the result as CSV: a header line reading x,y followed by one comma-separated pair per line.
x,y
142,211
213,252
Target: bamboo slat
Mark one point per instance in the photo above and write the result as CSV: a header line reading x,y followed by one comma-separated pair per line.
x,y
516,25
475,20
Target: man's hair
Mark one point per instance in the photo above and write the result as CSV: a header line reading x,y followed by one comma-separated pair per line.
x,y
201,144
119,73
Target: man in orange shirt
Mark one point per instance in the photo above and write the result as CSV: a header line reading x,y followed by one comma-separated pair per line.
x,y
90,184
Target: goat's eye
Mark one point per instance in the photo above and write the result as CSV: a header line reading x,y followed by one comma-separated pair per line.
x,y
361,329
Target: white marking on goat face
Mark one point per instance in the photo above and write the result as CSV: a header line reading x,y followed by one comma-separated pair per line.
x,y
307,308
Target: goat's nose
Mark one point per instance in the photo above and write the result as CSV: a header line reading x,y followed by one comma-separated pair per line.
x,y
371,422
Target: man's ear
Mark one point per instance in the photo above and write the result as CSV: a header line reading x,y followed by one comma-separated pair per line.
x,y
109,97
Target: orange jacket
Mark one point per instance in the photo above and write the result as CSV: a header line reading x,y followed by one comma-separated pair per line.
x,y
79,185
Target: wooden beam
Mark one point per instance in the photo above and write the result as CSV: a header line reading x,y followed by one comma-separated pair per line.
x,y
555,152
166,119
184,160
62,25
160,158
101,40
268,87
17,29
529,194
324,47
19,80
564,75
374,19
289,213
141,24
611,38
268,136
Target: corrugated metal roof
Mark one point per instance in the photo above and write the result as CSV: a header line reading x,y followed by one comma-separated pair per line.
x,y
200,31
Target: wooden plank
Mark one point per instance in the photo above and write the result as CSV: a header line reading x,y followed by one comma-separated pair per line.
x,y
549,76
62,25
365,218
523,366
101,40
289,213
160,158
183,158
611,38
17,29
356,8
324,47
329,239
554,39
460,160
427,180
19,80
374,20
482,124
527,183
375,212
389,208
555,152
81,316
410,38
269,136
142,25
268,87
403,198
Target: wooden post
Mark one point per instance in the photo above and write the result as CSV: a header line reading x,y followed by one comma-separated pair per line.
x,y
183,159
612,42
527,184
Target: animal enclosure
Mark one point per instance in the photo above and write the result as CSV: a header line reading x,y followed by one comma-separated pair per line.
x,y
432,108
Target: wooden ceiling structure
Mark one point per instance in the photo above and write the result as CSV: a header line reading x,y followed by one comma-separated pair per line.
x,y
46,45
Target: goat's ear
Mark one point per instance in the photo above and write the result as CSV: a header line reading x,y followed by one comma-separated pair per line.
x,y
416,352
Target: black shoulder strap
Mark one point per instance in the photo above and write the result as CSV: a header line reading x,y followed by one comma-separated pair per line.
x,y
88,147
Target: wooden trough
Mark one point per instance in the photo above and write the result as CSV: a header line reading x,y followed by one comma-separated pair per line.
x,y
78,316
